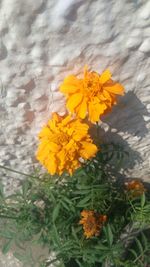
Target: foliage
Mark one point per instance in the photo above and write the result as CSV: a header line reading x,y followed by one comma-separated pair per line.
x,y
46,212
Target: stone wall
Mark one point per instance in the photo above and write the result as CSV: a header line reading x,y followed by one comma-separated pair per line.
x,y
42,41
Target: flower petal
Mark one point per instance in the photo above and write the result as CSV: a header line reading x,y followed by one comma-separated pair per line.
x,y
44,132
92,114
53,147
107,95
66,120
51,165
85,70
74,100
71,79
117,89
89,150
81,109
68,88
105,76
70,85
80,132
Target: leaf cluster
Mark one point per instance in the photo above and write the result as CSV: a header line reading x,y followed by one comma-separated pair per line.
x,y
46,213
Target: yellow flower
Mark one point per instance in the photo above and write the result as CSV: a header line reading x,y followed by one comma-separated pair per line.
x,y
93,95
135,188
63,142
92,222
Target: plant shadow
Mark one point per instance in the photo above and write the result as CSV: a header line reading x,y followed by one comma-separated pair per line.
x,y
126,122
128,116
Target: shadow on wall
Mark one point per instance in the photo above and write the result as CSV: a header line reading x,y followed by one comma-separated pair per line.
x,y
127,118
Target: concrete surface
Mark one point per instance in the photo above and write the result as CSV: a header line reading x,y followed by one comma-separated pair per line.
x,y
41,42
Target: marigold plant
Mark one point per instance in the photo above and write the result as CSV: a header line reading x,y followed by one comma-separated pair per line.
x,y
68,216
63,142
94,94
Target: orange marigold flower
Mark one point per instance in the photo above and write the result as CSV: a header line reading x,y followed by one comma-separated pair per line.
x,y
94,95
135,188
92,222
63,142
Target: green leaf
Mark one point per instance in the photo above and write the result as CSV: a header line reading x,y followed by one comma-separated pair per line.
x,y
19,256
79,263
56,212
133,253
65,205
139,245
101,247
6,247
81,192
7,234
144,240
25,187
143,200
1,190
83,187
55,236
84,201
67,200
109,234
74,234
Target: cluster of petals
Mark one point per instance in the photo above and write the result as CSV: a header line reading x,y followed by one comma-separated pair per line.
x,y
92,96
92,223
135,187
63,142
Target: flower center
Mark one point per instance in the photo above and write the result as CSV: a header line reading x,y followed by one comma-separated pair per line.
x,y
91,85
62,138
90,223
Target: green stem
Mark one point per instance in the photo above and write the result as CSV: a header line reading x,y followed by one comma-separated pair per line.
x,y
7,217
51,261
9,169
97,131
131,203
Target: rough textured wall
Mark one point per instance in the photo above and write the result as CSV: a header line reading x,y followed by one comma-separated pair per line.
x,y
44,40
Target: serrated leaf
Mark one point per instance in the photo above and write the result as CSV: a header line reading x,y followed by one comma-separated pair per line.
x,y
6,247
7,234
144,240
84,201
19,256
52,196
1,191
109,235
81,192
15,196
143,200
25,187
56,212
139,245
79,263
133,252
74,234
101,247
56,235
67,200
82,187
65,205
